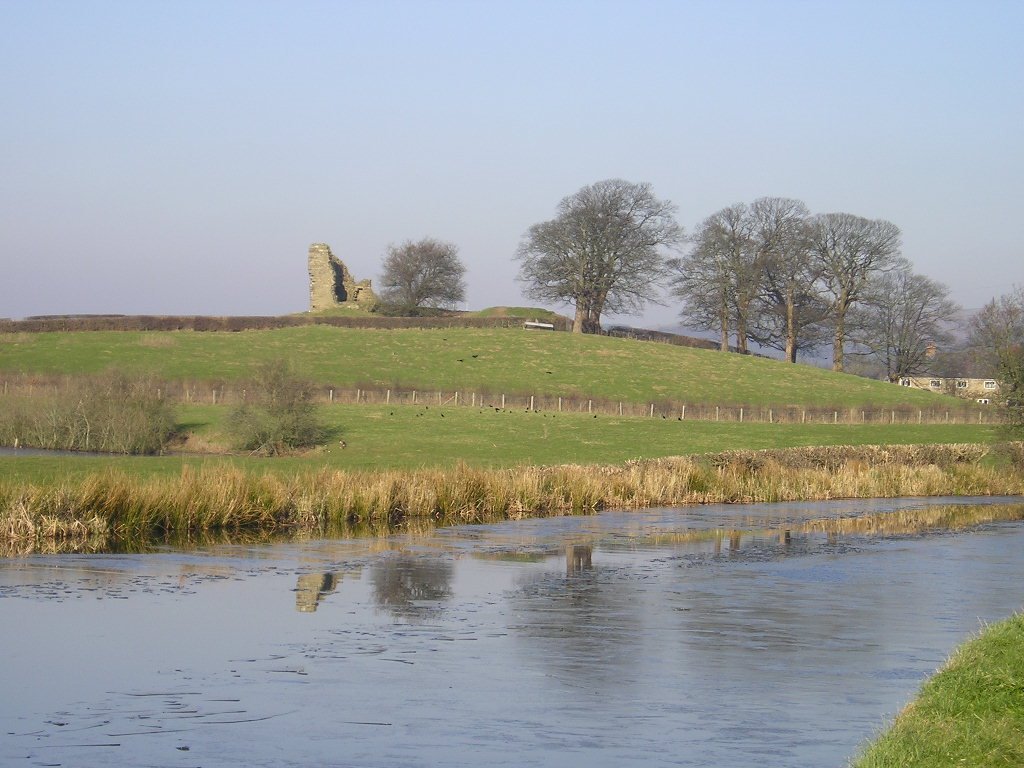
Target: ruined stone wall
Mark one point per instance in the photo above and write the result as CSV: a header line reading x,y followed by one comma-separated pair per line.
x,y
332,285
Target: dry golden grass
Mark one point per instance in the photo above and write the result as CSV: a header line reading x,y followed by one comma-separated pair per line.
x,y
122,507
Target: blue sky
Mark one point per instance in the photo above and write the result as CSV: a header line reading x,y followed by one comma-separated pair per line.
x,y
179,157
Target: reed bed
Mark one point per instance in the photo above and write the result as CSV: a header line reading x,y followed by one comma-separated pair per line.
x,y
118,506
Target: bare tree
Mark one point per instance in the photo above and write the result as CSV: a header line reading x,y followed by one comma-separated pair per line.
x,y
719,278
902,316
602,252
421,274
790,308
997,336
848,251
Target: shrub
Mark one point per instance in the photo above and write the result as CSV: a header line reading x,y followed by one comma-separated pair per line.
x,y
279,416
111,413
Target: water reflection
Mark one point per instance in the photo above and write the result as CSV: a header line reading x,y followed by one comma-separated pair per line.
x,y
585,628
409,585
311,589
578,558
777,635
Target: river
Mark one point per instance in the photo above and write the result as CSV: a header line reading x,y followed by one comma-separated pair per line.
x,y
716,635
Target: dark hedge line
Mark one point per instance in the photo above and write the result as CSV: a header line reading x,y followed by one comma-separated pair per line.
x,y
643,334
247,323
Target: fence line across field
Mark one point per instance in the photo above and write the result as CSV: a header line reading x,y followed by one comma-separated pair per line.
x,y
223,394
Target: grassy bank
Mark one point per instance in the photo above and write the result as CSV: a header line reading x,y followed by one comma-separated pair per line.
x,y
116,505
970,713
464,359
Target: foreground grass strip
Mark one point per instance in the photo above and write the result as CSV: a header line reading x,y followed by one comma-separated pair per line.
x,y
970,713
222,498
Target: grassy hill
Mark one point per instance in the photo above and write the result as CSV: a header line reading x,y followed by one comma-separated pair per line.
x,y
507,360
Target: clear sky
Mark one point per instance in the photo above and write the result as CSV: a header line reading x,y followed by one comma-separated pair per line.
x,y
180,157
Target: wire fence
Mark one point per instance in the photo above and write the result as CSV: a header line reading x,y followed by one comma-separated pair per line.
x,y
221,393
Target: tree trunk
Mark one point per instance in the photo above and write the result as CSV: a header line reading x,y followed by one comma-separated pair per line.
x,y
790,327
723,317
580,320
837,342
742,312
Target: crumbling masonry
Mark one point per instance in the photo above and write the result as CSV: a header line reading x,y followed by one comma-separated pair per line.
x,y
332,285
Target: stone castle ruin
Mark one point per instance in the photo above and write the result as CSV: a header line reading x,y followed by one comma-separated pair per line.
x,y
331,285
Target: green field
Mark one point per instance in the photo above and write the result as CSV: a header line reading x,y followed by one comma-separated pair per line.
x,y
510,361
405,437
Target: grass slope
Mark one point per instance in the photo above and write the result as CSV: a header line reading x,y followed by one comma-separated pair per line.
x,y
970,713
494,360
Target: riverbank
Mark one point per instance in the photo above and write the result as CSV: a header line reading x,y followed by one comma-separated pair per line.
x,y
970,713
115,506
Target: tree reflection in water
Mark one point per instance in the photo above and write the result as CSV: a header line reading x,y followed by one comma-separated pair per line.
x,y
578,558
410,586
584,628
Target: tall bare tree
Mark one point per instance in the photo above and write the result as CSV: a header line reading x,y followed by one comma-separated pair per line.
x,y
423,273
901,316
848,251
720,276
791,309
603,252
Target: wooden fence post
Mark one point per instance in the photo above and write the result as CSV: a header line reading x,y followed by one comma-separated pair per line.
x,y
503,402
387,398
414,397
590,405
330,395
559,405
682,415
716,413
652,410
531,402
741,415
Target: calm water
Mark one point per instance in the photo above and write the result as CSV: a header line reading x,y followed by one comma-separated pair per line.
x,y
621,639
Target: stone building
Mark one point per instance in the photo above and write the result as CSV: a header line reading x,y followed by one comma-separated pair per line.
x,y
981,390
331,285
